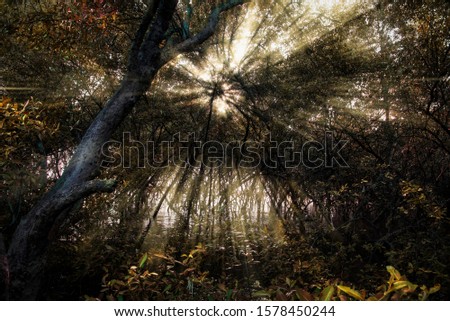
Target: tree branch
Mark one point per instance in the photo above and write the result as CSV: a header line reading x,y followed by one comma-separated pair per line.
x,y
160,26
93,186
140,34
192,42
83,190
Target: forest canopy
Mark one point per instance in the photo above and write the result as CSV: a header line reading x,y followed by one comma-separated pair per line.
x,y
226,150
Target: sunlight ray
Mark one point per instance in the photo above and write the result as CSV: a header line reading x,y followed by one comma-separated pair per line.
x,y
262,36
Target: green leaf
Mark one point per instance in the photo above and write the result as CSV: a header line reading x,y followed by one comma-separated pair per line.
x,y
143,260
228,295
353,293
327,293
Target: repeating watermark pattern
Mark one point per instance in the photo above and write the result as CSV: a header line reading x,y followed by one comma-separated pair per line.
x,y
189,151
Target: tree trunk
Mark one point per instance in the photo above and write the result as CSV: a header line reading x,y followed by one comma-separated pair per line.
x,y
30,240
28,247
27,251
4,270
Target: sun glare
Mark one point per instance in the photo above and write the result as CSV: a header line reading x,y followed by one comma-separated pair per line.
x,y
262,35
221,106
241,43
330,6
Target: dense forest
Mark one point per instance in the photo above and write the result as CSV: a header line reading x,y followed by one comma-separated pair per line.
x,y
225,150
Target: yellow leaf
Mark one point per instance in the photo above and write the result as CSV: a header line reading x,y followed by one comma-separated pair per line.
x,y
403,284
261,294
327,293
353,293
435,288
393,272
161,256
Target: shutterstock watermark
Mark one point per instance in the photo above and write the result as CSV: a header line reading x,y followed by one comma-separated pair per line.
x,y
190,151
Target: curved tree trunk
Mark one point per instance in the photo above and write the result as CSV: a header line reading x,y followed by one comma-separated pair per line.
x,y
27,251
28,247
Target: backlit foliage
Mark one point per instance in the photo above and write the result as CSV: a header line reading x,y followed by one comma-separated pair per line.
x,y
274,71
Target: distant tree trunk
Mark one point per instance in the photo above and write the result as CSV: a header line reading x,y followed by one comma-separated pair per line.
x,y
28,247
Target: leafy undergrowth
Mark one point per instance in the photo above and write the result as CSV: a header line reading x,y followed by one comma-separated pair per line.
x,y
396,288
164,277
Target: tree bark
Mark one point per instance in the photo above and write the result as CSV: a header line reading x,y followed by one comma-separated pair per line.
x,y
4,270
